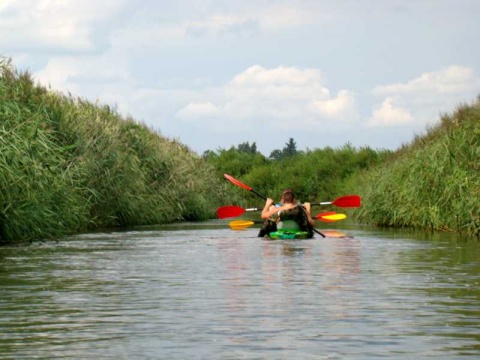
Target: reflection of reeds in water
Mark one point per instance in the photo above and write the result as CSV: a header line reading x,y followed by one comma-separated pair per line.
x,y
68,165
434,182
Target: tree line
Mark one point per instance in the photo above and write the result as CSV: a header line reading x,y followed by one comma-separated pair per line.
x,y
314,175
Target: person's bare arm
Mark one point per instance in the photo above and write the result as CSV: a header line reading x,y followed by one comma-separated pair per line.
x,y
268,210
308,207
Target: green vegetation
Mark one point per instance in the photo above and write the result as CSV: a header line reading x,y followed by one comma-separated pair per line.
x,y
434,182
314,175
67,165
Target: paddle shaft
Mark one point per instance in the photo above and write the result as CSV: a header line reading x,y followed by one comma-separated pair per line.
x,y
234,211
259,195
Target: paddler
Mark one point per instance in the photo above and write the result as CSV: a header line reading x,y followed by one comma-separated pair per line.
x,y
290,215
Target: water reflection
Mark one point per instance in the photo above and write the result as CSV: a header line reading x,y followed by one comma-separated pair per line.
x,y
209,293
449,291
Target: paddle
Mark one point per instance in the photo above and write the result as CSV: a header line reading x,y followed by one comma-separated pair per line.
x,y
230,211
238,183
243,224
349,201
344,201
328,217
242,185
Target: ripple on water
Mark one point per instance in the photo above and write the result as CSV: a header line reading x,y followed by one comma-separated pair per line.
x,y
207,293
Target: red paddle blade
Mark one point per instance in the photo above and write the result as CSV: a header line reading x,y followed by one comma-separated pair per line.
x,y
236,182
347,201
229,211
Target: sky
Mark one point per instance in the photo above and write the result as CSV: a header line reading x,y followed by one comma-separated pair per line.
x,y
217,73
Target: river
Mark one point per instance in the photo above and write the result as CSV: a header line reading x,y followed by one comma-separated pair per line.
x,y
203,291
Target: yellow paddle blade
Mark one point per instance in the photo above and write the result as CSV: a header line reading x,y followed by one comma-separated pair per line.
x,y
240,224
333,234
334,217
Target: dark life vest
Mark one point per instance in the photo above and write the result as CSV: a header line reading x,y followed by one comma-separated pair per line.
x,y
297,214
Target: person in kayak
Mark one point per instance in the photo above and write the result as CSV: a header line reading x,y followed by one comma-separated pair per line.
x,y
290,215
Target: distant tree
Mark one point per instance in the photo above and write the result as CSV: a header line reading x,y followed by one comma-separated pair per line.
x,y
247,148
276,154
290,148
237,160
208,154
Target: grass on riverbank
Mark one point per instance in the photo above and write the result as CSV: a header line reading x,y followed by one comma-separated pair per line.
x,y
68,165
434,182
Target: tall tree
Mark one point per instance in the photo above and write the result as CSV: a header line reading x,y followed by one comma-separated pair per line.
x,y
290,148
247,148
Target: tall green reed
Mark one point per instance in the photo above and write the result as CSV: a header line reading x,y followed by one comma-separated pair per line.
x,y
67,165
431,183
32,187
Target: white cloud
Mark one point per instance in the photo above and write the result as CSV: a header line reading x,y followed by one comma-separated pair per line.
x,y
188,66
258,76
68,73
149,29
389,114
52,23
289,96
199,110
249,18
418,102
343,105
450,81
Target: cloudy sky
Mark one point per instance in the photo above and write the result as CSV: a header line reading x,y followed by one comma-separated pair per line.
x,y
217,73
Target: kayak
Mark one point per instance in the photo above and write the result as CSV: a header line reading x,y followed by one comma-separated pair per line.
x,y
288,229
294,234
282,234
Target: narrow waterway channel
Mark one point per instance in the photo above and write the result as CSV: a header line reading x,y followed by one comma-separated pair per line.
x,y
202,291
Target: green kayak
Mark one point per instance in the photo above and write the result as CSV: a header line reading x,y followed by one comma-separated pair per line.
x,y
296,234
281,234
288,229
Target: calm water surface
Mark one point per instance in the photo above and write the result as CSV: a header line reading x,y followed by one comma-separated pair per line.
x,y
206,292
